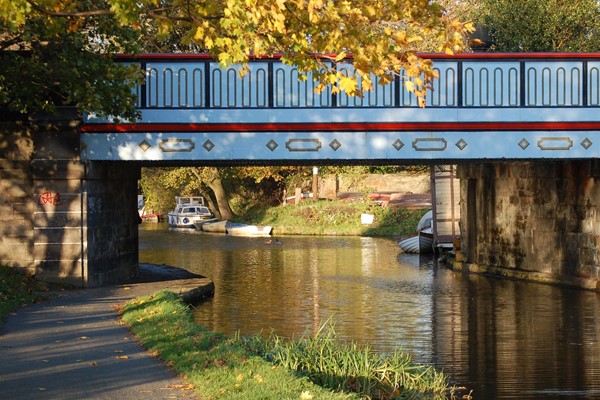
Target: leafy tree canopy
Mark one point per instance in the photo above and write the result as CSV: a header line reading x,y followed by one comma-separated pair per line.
x,y
48,59
541,25
51,47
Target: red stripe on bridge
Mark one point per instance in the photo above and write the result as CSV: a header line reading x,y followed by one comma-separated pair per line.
x,y
350,126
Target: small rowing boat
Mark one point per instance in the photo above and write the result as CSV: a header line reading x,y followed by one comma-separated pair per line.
x,y
248,230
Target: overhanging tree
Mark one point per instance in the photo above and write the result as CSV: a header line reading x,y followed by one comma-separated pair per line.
x,y
48,60
51,47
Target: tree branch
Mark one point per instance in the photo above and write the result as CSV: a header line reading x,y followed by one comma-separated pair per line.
x,y
81,14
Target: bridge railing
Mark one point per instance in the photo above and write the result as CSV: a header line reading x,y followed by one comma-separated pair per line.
x,y
492,80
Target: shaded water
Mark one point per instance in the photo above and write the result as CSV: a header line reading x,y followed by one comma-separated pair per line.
x,y
503,339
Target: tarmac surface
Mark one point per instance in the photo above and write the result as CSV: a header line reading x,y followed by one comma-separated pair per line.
x,y
74,346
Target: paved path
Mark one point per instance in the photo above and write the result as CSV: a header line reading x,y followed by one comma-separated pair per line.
x,y
73,346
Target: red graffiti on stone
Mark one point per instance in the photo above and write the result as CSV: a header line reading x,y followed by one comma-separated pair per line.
x,y
49,198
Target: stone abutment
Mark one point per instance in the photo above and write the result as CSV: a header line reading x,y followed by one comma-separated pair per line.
x,y
63,219
532,220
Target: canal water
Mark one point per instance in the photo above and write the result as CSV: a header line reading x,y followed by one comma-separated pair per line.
x,y
502,339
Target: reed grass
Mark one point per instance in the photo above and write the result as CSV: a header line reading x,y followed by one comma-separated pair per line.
x,y
348,367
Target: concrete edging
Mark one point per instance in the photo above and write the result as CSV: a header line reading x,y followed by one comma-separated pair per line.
x,y
191,288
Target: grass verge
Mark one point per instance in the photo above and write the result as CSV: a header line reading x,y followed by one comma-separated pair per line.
x,y
273,368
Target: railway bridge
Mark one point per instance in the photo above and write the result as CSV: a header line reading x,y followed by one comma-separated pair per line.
x,y
523,130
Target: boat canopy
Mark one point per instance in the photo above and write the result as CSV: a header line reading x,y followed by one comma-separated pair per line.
x,y
426,221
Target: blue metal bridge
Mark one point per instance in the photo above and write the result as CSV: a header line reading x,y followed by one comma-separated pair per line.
x,y
492,106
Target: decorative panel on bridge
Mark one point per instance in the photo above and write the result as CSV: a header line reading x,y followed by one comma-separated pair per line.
x,y
483,106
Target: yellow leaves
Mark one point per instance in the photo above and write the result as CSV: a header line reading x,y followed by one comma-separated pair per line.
x,y
341,56
280,4
122,357
313,7
278,19
414,38
401,38
199,34
348,85
469,27
224,58
370,10
182,387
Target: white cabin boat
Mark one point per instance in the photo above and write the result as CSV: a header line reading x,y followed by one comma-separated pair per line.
x,y
188,209
420,242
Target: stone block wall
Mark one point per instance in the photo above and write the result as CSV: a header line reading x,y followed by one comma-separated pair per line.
x,y
16,196
58,215
112,222
533,220
64,220
330,185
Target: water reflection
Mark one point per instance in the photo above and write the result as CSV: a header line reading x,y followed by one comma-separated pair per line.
x,y
504,339
532,341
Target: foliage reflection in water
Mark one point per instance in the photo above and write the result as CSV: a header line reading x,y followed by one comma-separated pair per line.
x,y
504,339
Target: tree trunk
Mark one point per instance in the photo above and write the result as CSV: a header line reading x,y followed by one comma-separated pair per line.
x,y
213,207
212,178
222,201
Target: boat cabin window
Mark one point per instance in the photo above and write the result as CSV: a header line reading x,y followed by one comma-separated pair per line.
x,y
195,210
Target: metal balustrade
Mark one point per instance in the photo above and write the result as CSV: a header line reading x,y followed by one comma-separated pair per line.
x,y
512,80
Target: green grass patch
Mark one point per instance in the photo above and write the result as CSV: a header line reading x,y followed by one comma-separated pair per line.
x,y
325,217
256,367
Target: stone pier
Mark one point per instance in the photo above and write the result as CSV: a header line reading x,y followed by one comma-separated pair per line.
x,y
532,220
65,220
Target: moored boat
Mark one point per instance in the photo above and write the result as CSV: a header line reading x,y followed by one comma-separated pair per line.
x,y
420,242
248,230
417,243
188,209
214,226
199,224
